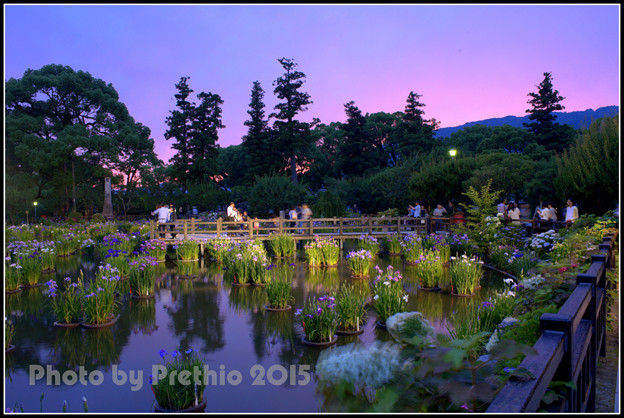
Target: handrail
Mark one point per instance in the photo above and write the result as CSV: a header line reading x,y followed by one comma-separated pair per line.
x,y
568,347
305,228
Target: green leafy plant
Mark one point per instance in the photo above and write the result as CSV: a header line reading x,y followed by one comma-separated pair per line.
x,y
318,318
279,286
12,275
174,391
66,305
360,262
389,297
142,275
429,269
368,242
411,247
392,243
187,249
282,245
350,308
465,274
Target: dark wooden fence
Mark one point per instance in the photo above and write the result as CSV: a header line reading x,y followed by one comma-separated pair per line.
x,y
568,347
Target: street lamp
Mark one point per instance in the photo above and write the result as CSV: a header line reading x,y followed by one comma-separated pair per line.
x,y
35,218
452,152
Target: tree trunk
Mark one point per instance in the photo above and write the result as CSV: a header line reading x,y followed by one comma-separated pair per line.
x,y
293,168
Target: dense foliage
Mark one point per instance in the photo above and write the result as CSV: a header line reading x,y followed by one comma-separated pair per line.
x,y
67,131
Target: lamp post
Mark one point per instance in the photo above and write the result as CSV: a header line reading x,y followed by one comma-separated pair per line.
x,y
453,153
35,218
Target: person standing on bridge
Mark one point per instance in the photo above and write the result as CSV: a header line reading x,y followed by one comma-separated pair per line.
x,y
162,212
173,216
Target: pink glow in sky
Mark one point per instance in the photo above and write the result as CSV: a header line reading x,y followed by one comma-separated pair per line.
x,y
469,62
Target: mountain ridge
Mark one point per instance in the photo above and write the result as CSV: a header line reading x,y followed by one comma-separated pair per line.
x,y
578,119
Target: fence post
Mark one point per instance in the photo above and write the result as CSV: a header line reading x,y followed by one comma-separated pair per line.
x,y
219,226
311,227
185,227
370,225
556,322
340,230
152,232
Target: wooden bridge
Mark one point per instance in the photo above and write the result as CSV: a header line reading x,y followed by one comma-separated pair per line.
x,y
264,229
302,230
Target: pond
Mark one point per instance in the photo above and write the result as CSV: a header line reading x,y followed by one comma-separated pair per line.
x,y
259,360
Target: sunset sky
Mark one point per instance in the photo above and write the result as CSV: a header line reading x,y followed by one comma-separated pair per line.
x,y
469,62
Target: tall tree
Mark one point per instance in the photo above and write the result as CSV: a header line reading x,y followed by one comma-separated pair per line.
x,y
415,133
58,122
179,123
588,170
549,134
202,146
355,151
263,157
293,136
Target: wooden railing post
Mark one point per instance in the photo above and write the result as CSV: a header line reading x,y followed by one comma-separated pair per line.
x,y
219,226
250,226
340,229
311,227
281,225
193,226
152,231
185,228
370,225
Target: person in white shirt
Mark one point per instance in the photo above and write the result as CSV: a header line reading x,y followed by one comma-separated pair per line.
x,y
231,212
571,212
162,212
513,213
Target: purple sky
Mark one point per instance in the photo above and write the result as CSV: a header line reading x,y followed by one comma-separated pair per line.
x,y
469,62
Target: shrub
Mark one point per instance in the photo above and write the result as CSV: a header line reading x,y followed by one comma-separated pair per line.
x,y
98,218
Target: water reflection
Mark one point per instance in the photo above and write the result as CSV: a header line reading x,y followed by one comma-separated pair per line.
x,y
143,316
195,317
228,323
246,298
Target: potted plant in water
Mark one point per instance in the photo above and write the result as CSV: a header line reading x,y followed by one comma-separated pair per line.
x,y
187,250
279,287
180,382
429,270
389,297
98,298
66,305
319,321
350,310
12,277
360,262
465,274
142,277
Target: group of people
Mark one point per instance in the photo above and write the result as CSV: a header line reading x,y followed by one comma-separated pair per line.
x,y
165,213
545,213
418,211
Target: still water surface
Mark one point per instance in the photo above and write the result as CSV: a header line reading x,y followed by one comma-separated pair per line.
x,y
254,348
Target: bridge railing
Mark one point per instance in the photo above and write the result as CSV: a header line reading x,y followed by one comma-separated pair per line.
x,y
303,228
568,347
